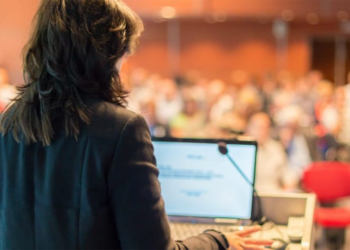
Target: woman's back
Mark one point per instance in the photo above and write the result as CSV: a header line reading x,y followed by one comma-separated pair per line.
x,y
57,196
100,191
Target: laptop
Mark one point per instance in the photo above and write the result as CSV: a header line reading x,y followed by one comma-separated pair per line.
x,y
200,186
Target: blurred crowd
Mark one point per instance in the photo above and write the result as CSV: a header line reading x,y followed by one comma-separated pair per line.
x,y
295,120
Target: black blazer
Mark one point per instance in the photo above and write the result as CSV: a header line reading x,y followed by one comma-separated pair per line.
x,y
100,191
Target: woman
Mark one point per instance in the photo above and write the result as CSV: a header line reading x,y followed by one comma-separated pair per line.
x,y
77,169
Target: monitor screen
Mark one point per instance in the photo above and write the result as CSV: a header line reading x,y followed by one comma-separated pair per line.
x,y
198,181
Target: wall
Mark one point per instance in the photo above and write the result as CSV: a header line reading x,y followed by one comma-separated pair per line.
x,y
15,23
216,50
213,49
250,9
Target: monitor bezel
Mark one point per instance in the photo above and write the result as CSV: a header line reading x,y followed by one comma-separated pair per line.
x,y
245,141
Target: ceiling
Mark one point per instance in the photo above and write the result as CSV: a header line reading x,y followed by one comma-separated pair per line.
x,y
289,10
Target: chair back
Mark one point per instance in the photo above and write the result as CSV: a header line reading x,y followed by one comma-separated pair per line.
x,y
328,180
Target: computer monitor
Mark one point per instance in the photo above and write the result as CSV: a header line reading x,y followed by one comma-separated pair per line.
x,y
198,181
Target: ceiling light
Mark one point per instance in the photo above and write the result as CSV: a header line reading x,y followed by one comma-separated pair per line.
x,y
168,12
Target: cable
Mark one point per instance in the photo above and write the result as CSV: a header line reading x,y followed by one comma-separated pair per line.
x,y
260,218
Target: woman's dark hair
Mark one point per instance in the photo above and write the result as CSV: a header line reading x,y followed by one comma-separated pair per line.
x,y
72,52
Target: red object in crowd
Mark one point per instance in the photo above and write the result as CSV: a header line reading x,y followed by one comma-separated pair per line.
x,y
330,181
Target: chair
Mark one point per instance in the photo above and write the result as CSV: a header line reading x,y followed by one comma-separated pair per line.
x,y
330,181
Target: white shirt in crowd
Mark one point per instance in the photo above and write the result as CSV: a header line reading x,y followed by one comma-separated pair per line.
x,y
271,165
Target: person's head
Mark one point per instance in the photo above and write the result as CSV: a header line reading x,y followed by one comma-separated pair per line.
x,y
259,126
247,103
169,89
215,89
190,107
232,123
314,77
325,91
289,116
148,110
75,49
287,121
303,86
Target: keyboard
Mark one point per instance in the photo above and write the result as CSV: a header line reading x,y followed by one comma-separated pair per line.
x,y
181,231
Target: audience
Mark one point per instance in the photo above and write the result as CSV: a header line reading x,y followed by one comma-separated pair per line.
x,y
343,101
295,120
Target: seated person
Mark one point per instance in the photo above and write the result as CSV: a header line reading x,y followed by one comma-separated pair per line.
x,y
271,158
294,143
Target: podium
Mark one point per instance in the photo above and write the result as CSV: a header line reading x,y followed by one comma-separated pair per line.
x,y
279,207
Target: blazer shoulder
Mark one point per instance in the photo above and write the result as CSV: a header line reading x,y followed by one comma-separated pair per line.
x,y
108,119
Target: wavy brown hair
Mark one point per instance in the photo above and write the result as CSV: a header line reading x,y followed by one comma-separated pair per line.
x,y
72,52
